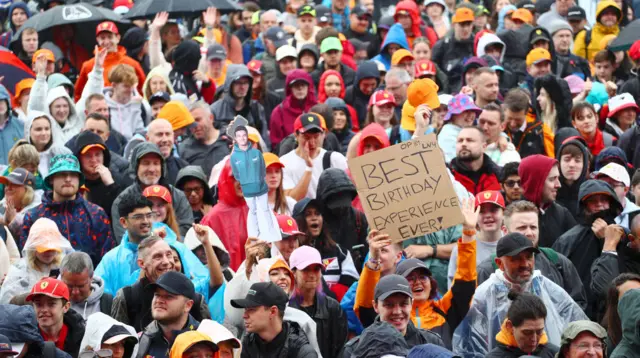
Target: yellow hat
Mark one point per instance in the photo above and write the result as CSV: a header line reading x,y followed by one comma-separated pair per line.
x,y
537,55
423,91
254,137
408,121
177,114
399,55
271,159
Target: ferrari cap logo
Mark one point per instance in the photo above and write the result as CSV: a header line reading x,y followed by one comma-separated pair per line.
x,y
487,195
44,285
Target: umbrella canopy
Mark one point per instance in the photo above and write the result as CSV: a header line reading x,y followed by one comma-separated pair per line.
x,y
83,17
13,70
627,36
177,8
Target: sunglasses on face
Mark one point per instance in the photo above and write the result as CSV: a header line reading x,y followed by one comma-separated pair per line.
x,y
512,183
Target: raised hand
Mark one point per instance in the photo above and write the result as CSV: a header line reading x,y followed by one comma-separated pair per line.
x,y
160,20
377,240
201,233
470,213
41,65
101,55
209,17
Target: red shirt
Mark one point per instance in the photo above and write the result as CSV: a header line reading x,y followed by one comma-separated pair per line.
x,y
61,337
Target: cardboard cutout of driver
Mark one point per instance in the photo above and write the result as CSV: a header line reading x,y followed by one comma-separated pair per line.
x,y
249,169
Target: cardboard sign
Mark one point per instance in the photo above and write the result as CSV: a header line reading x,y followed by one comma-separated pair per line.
x,y
405,189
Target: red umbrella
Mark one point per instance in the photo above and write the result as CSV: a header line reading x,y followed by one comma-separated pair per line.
x,y
13,70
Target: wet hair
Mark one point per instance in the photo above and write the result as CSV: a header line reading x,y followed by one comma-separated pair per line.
x,y
77,262
520,206
525,306
123,73
130,203
516,100
421,40
98,117
611,320
509,169
580,106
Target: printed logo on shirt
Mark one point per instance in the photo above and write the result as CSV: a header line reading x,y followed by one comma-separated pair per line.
x,y
330,263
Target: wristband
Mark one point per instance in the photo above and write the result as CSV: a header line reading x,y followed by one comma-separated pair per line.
x,y
308,169
469,232
435,250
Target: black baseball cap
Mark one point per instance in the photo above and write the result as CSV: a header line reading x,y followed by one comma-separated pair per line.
x,y
263,294
19,176
514,243
5,346
359,45
277,35
307,122
391,284
216,51
360,11
159,96
526,4
539,35
406,267
576,13
323,14
175,283
306,10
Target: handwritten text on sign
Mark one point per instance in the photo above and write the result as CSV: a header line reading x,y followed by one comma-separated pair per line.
x,y
405,189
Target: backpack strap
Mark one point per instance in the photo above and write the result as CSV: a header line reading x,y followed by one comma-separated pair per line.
x,y
49,349
394,137
132,303
587,41
551,254
326,160
106,302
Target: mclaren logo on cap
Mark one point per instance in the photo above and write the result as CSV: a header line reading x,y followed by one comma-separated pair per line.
x,y
538,32
44,285
487,195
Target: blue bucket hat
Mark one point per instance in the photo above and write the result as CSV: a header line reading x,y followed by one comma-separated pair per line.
x,y
63,163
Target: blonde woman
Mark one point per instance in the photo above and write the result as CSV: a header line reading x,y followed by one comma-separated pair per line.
x,y
41,257
20,196
24,155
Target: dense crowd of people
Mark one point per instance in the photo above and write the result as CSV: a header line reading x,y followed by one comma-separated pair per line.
x,y
131,208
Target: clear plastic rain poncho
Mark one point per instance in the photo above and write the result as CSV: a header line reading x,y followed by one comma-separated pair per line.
x,y
476,335
44,236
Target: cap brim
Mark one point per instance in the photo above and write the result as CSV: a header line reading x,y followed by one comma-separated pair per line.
x,y
216,57
574,17
117,338
522,249
31,296
310,127
7,180
91,146
203,341
154,286
245,303
297,80
409,271
41,249
286,235
386,295
541,61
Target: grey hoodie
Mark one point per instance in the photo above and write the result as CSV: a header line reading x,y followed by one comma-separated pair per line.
x,y
92,304
128,119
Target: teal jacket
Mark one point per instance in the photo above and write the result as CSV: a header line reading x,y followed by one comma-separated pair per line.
x,y
12,131
249,169
119,268
629,312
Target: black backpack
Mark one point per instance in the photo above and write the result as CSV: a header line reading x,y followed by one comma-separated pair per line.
x,y
326,160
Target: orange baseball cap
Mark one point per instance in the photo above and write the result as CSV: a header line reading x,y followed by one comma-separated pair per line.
x,y
157,191
537,55
490,197
91,146
523,15
400,55
463,14
51,287
107,26
423,91
47,53
271,159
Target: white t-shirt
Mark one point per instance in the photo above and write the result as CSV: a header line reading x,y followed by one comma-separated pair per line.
x,y
290,204
294,168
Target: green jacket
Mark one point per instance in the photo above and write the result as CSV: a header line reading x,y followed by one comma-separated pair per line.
x,y
629,311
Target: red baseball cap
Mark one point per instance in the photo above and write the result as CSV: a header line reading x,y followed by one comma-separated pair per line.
x,y
634,51
255,66
381,97
490,197
51,287
157,191
288,226
107,26
425,68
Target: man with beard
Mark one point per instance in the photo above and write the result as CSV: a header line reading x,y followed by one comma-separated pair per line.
x,y
134,304
205,147
618,177
471,167
598,207
148,166
522,217
172,297
160,133
86,225
540,177
476,335
485,86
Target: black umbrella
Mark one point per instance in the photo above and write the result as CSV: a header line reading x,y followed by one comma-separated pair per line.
x,y
178,8
83,17
626,37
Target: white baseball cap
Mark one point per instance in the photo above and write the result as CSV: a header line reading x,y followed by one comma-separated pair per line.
x,y
286,51
616,172
218,333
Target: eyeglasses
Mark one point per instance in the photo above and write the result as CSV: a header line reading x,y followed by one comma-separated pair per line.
x,y
584,346
512,183
416,278
139,217
103,353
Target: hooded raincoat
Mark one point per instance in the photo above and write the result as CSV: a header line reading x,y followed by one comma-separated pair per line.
x,y
580,244
11,131
598,31
554,218
180,203
158,71
490,39
41,99
322,95
228,218
568,193
629,312
356,97
101,327
345,135
476,335
55,143
394,36
19,324
286,113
